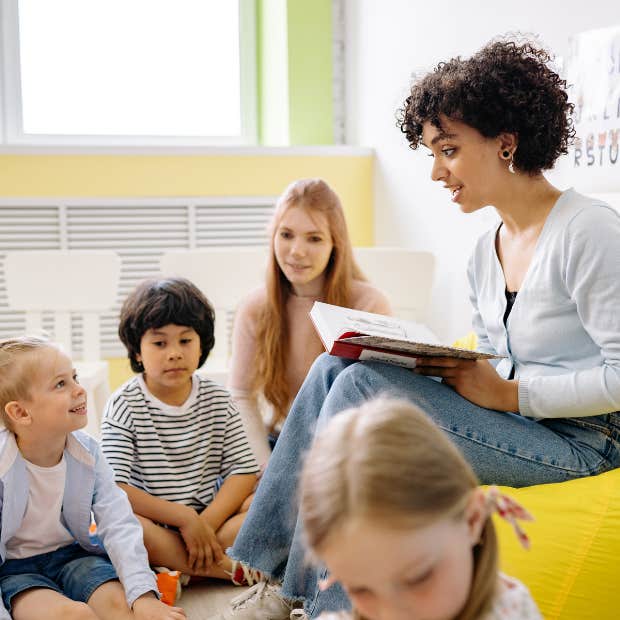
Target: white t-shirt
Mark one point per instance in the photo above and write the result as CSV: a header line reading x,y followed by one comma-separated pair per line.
x,y
41,530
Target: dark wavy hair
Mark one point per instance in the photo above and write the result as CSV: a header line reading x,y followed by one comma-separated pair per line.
x,y
506,87
155,303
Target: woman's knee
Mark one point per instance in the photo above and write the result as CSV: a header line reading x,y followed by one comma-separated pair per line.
x,y
351,387
326,364
359,381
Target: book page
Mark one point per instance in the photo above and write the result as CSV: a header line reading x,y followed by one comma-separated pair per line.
x,y
334,321
375,327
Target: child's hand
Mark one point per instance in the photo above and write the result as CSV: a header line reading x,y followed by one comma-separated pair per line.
x,y
201,543
148,607
216,548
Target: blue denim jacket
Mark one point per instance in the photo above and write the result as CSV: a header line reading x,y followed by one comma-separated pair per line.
x,y
89,486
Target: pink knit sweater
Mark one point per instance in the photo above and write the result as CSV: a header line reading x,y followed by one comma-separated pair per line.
x,y
304,347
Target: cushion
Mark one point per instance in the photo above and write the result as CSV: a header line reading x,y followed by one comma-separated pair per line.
x,y
573,567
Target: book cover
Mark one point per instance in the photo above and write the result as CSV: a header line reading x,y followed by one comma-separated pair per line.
x,y
356,334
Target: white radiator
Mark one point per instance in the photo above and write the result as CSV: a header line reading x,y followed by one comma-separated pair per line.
x,y
140,230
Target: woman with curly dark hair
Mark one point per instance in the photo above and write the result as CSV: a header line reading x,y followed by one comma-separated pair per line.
x,y
545,287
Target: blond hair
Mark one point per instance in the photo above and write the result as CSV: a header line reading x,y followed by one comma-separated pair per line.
x,y
387,461
16,369
314,195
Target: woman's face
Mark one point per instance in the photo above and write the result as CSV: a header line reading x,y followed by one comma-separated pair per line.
x,y
394,574
303,245
467,163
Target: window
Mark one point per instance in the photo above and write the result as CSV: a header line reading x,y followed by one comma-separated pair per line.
x,y
136,72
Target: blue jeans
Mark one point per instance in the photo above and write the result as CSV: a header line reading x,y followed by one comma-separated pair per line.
x,y
503,448
69,570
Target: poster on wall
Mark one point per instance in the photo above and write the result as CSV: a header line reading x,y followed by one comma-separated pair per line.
x,y
592,71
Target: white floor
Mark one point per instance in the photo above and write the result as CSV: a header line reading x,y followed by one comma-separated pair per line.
x,y
203,601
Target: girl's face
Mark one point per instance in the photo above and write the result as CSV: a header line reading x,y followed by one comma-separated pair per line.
x,y
467,163
170,355
303,245
392,573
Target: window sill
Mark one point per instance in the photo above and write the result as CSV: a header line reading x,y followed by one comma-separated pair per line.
x,y
249,151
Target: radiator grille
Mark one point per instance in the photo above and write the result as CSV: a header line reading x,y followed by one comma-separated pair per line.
x,y
140,230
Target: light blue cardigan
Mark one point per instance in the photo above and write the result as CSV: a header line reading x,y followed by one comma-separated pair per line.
x,y
563,333
89,485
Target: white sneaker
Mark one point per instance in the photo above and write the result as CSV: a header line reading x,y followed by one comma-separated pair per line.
x,y
264,601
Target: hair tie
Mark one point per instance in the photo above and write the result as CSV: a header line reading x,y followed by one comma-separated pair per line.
x,y
509,510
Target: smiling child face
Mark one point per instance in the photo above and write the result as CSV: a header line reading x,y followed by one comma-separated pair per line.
x,y
56,402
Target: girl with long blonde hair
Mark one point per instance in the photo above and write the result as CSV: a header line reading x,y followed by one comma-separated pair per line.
x,y
274,343
405,530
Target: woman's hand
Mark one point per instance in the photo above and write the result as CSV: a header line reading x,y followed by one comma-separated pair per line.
x,y
475,380
148,607
201,543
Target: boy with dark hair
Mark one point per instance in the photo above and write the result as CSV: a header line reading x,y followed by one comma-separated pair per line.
x,y
52,477
172,436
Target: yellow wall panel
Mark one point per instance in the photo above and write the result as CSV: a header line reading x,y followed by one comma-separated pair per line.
x,y
191,175
119,371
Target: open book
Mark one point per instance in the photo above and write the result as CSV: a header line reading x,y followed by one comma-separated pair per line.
x,y
366,336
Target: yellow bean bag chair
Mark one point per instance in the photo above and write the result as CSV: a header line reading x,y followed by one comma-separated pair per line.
x,y
573,566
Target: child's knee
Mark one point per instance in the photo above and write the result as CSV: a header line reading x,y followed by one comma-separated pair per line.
x,y
116,602
149,529
247,503
157,539
58,607
110,596
73,610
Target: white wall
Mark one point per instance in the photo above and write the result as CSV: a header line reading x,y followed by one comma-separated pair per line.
x,y
388,40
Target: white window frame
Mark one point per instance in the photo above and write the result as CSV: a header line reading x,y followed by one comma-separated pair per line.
x,y
11,125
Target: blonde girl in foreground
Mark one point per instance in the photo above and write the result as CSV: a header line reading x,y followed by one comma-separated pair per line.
x,y
274,343
395,512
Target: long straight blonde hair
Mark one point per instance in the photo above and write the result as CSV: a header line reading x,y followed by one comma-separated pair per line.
x,y
314,195
388,462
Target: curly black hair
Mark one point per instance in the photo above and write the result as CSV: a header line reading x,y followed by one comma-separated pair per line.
x,y
506,87
156,303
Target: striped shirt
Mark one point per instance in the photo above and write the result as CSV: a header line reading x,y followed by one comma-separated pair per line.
x,y
176,453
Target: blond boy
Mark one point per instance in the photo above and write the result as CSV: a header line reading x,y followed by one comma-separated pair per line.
x,y
52,478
